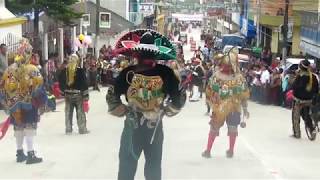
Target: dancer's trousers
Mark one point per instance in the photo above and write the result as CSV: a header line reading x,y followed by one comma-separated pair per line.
x,y
134,141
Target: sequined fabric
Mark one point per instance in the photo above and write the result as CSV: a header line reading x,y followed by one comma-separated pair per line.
x,y
145,94
22,93
225,95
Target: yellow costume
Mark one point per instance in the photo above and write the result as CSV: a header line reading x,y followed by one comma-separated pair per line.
x,y
226,93
22,83
23,94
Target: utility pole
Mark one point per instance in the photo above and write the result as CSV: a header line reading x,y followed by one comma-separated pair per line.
x,y
258,23
61,48
285,33
230,21
156,12
97,28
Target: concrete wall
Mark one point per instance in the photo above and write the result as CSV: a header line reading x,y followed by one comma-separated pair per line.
x,y
271,7
306,5
295,49
296,41
236,18
110,40
118,23
274,41
120,7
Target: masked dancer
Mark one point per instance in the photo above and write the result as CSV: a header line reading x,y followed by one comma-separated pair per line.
x,y
24,96
227,94
152,91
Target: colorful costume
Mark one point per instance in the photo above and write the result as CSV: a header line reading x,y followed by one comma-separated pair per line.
x,y
146,87
73,83
24,95
304,87
226,93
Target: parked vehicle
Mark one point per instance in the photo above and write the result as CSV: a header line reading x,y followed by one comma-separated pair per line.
x,y
292,64
233,40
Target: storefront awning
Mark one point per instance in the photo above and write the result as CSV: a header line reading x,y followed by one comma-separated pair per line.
x,y
310,49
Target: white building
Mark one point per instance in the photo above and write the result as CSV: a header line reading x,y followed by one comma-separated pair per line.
x,y
132,10
120,7
10,27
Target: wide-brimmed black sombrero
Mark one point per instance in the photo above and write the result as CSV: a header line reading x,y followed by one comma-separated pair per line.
x,y
146,40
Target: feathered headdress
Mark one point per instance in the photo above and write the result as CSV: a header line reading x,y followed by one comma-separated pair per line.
x,y
24,52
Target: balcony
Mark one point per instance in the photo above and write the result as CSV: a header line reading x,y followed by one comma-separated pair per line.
x,y
306,5
270,20
136,17
272,12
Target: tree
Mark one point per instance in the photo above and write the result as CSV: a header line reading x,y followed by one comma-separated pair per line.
x,y
57,9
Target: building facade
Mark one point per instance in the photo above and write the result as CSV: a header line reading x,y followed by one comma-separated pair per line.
x,y
10,27
120,7
132,10
310,27
247,27
269,17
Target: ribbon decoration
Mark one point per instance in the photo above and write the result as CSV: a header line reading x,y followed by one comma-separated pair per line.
x,y
4,126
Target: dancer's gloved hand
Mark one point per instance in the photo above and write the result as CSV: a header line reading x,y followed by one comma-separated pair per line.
x,y
170,110
115,106
183,95
86,106
243,124
246,113
119,111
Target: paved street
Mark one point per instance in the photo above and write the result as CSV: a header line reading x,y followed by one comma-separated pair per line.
x,y
195,34
263,151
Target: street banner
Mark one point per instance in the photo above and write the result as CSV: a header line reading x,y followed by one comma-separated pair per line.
x,y
105,20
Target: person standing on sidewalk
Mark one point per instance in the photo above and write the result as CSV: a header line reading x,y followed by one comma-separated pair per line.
x,y
265,81
23,94
73,83
197,75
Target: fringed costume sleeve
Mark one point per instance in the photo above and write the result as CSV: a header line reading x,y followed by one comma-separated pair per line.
x,y
115,105
83,86
177,96
62,80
